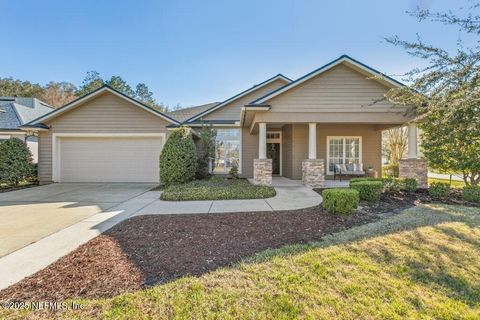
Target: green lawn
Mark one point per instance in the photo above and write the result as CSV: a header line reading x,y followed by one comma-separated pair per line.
x,y
216,188
454,184
421,264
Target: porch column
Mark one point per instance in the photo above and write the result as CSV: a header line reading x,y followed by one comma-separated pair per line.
x,y
412,141
312,141
413,167
262,167
262,141
313,169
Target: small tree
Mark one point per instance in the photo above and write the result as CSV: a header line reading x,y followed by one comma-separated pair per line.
x,y
15,162
206,150
445,95
178,160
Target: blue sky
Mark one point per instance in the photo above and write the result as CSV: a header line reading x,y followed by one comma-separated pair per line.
x,y
194,52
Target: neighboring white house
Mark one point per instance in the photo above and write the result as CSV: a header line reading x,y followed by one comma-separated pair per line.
x,y
15,112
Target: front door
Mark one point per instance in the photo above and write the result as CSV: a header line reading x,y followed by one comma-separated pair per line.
x,y
273,152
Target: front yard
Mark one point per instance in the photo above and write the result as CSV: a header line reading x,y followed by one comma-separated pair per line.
x,y
216,188
421,263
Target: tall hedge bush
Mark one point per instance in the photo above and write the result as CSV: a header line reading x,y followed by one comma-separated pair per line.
x,y
178,160
16,162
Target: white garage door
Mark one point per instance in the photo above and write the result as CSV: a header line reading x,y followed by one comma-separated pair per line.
x,y
109,159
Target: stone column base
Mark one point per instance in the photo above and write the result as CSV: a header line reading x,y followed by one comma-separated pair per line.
x,y
313,173
414,168
262,172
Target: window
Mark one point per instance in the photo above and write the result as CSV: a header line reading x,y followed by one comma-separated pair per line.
x,y
343,150
227,150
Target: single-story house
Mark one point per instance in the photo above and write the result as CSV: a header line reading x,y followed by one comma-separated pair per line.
x,y
298,129
17,111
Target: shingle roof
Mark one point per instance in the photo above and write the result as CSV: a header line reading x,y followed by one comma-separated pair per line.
x,y
182,115
15,112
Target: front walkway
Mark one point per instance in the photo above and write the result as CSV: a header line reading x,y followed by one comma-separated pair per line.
x,y
291,195
26,261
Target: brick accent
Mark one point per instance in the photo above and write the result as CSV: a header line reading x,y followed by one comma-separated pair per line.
x,y
414,168
313,173
262,172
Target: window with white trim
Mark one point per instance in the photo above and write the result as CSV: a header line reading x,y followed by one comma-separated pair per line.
x,y
343,150
227,150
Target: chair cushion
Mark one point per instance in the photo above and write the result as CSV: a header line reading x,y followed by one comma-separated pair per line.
x,y
358,167
342,168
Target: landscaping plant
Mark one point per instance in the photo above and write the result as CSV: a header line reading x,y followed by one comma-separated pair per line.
x,y
233,174
444,94
368,190
471,193
216,188
16,162
178,160
439,189
341,200
411,184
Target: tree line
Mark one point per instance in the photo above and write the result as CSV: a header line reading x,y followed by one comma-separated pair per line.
x,y
58,94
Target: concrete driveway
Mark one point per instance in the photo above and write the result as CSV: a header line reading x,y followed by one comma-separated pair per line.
x,y
29,215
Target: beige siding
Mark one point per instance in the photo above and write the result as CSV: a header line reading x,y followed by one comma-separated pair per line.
x,y
104,114
249,152
300,149
340,88
232,110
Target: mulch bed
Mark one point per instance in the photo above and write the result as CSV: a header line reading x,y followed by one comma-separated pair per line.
x,y
148,250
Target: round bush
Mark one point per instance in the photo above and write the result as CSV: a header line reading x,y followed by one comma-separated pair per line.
x,y
411,184
439,189
343,201
178,160
471,193
15,162
368,190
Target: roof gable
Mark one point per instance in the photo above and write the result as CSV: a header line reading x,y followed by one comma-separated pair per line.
x,y
344,59
239,95
92,95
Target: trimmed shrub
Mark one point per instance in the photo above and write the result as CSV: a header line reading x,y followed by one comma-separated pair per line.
x,y
355,180
439,189
16,162
368,190
411,184
392,184
178,160
471,193
343,201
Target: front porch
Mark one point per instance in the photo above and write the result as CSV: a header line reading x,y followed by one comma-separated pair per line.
x,y
309,153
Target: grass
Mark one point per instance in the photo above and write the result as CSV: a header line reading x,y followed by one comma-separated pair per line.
x,y
216,188
455,183
420,264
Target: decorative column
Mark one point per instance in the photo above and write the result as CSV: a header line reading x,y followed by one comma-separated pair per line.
x,y
414,167
262,167
313,169
312,141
